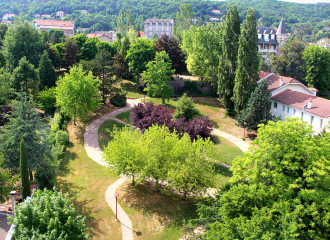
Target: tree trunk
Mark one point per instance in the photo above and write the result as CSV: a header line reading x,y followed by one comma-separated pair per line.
x,y
133,182
74,120
185,195
156,185
31,176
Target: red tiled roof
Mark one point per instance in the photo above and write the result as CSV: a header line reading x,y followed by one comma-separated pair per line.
x,y
263,74
274,81
90,35
55,23
320,106
313,89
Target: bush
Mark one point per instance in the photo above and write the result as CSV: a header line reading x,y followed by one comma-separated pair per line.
x,y
192,88
119,98
56,122
62,138
186,109
47,99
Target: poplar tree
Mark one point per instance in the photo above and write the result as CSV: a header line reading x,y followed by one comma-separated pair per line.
x,y
46,72
129,19
24,169
248,62
121,23
228,60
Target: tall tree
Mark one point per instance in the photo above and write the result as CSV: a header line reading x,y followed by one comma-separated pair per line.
x,y
24,170
171,46
140,53
129,19
317,67
246,74
46,72
258,108
77,94
22,40
5,86
3,30
24,122
228,60
184,18
56,36
70,53
156,76
290,63
121,22
25,77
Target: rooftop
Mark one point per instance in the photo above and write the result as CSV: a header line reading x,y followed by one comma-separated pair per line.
x,y
266,30
320,106
281,28
159,20
55,23
274,80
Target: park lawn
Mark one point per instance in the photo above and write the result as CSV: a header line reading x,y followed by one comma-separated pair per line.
x,y
160,216
105,130
132,89
86,182
124,116
214,109
227,150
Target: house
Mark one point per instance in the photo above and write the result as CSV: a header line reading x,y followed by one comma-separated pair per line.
x,y
101,37
216,11
214,19
326,29
66,26
324,42
271,41
84,11
110,34
37,15
45,16
61,14
159,27
8,16
291,98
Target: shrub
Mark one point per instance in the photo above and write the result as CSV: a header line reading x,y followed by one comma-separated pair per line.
x,y
62,138
192,88
119,98
186,109
47,99
56,122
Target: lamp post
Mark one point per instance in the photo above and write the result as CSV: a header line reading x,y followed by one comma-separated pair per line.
x,y
13,200
245,123
116,195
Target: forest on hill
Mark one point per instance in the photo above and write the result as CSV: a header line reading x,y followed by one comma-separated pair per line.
x,y
102,14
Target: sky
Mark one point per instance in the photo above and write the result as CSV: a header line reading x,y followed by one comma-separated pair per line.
x,y
307,1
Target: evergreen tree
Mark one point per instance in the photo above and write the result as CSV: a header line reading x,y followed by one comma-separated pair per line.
x,y
124,47
228,60
56,36
25,77
70,53
24,169
46,72
248,62
186,109
121,23
258,108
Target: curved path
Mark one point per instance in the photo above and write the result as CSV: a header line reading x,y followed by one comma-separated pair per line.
x,y
91,144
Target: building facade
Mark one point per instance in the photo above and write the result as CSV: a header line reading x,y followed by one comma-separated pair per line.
x,y
66,26
61,14
8,16
271,41
153,27
291,98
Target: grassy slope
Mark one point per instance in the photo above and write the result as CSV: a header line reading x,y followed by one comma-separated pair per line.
x,y
132,90
104,132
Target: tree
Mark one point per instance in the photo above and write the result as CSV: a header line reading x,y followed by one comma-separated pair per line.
x,y
184,20
131,35
156,76
228,60
25,122
290,63
24,170
46,72
3,30
171,46
89,49
25,77
190,168
125,46
22,40
47,99
317,67
258,108
121,23
5,86
6,184
121,66
301,29
48,215
123,153
70,53
140,53
129,19
186,109
279,189
77,94
56,36
246,74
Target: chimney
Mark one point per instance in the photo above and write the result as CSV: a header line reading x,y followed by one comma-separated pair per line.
x,y
309,106
305,106
281,82
13,200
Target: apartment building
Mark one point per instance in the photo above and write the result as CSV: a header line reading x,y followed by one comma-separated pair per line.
x,y
158,27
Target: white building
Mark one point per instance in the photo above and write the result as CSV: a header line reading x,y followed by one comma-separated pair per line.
x,y
216,11
159,27
291,98
7,16
61,14
66,26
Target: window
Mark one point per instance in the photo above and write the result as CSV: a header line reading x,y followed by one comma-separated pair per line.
x,y
167,23
312,120
321,123
156,28
275,105
266,37
162,29
150,34
288,110
150,23
259,36
294,111
283,108
156,23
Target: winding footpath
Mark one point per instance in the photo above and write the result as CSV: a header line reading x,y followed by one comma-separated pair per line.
x,y
91,144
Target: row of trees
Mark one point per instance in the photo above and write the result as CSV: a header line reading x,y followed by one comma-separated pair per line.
x,y
163,156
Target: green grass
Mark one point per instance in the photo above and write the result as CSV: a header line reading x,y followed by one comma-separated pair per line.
x,y
222,176
104,132
228,150
86,182
154,215
132,89
124,116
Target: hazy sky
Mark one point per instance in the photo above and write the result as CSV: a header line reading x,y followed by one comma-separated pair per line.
x,y
307,1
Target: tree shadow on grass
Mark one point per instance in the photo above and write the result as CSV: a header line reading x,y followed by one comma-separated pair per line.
x,y
131,87
219,169
170,209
